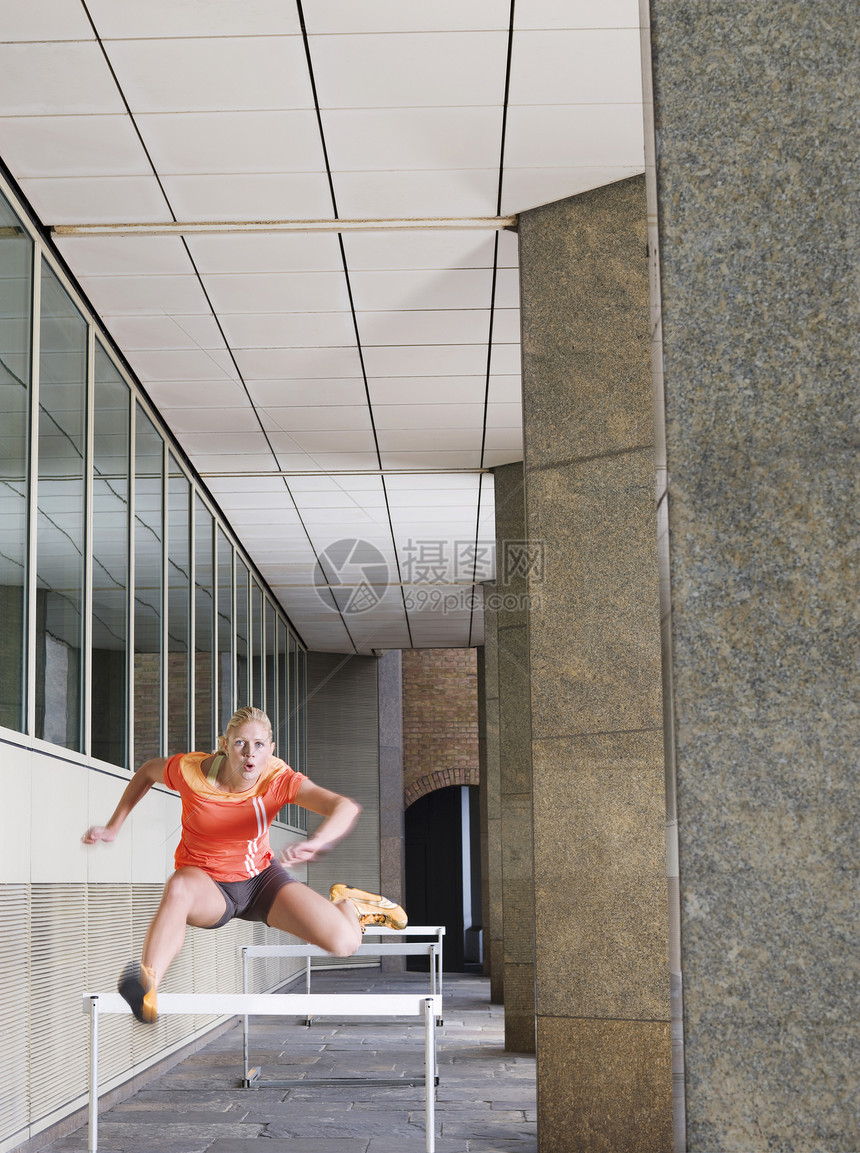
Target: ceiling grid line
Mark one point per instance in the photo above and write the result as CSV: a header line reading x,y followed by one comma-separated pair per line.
x,y
492,306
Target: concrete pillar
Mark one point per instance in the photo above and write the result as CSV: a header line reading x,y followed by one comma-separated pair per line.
x,y
756,196
491,805
515,762
391,807
601,922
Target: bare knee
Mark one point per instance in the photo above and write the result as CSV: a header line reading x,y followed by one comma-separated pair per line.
x,y
180,889
343,940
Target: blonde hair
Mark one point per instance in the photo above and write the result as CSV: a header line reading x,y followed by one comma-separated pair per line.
x,y
248,714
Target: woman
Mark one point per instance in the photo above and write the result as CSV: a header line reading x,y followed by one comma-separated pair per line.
x,y
224,865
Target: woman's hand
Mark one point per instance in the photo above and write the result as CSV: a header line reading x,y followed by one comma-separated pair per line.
x,y
302,852
96,833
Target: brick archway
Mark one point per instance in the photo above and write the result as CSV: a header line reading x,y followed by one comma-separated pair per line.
x,y
440,779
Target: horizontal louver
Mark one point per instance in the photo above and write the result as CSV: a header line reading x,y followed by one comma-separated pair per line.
x,y
14,983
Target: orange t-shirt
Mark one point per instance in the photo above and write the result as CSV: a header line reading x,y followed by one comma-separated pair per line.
x,y
227,834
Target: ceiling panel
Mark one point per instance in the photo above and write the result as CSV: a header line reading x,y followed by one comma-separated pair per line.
x,y
47,20
405,70
415,195
299,363
439,326
438,249
53,146
97,199
278,393
56,79
216,142
125,255
593,135
212,74
145,294
241,196
165,332
576,66
400,139
192,18
563,14
340,16
284,330
278,292
267,252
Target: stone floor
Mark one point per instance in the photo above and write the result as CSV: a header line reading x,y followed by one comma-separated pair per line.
x,y
485,1100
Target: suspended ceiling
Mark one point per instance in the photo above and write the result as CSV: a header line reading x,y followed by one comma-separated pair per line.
x,y
343,394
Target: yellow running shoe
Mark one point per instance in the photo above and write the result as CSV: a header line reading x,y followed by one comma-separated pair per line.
x,y
137,985
372,908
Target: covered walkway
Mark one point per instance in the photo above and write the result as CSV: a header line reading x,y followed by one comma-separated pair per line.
x,y
485,1102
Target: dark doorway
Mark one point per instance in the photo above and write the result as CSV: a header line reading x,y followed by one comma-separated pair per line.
x,y
443,873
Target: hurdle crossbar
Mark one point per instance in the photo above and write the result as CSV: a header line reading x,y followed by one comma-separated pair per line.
x,y
278,1005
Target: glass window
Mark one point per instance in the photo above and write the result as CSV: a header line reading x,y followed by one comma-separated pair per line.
x,y
271,664
282,739
148,586
257,695
204,626
16,286
243,694
294,702
301,711
109,628
225,631
60,536
178,609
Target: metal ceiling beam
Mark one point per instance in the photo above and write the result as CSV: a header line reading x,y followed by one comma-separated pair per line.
x,y
209,228
257,473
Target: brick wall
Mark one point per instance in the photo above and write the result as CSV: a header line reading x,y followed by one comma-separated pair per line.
x,y
440,720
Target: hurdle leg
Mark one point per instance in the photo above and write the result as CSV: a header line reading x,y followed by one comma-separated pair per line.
x,y
429,1077
94,1076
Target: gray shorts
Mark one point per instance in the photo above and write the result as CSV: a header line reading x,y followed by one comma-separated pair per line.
x,y
252,899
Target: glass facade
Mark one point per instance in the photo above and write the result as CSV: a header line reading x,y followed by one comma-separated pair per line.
x,y
133,625
16,294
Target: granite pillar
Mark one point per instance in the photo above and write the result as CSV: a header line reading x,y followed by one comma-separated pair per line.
x,y
490,801
600,889
515,757
391,807
756,196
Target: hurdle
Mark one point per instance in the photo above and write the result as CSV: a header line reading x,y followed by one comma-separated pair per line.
x,y
278,1005
252,1078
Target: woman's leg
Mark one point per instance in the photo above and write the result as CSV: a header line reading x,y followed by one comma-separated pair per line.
x,y
333,925
190,897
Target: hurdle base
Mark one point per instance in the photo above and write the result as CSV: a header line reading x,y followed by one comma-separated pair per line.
x,y
255,1081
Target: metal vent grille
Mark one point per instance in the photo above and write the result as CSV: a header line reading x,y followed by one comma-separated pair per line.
x,y
343,755
14,982
58,1071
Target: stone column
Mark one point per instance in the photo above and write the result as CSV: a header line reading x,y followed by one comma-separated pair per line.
x,y
601,922
757,199
391,822
491,805
515,762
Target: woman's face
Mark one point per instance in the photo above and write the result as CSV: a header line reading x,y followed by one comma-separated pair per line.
x,y
248,748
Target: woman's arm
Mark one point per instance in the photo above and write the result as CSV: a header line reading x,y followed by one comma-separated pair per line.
x,y
340,815
149,774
